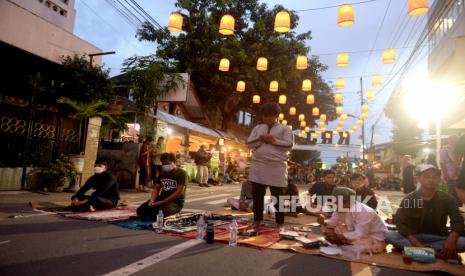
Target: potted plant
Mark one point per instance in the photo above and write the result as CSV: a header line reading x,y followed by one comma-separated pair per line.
x,y
57,175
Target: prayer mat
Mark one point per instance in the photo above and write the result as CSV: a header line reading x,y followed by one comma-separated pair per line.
x,y
267,236
133,224
105,215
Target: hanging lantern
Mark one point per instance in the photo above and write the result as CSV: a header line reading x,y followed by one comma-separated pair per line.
x,y
175,22
351,132
364,116
340,123
282,22
240,87
322,124
344,135
310,99
376,80
262,64
340,83
292,111
364,108
323,129
339,110
301,62
307,129
281,116
316,111
370,95
282,99
284,122
256,99
339,129
335,132
274,85
389,56
344,117
313,135
359,122
345,16
301,117
328,135
306,85
227,25
323,118
303,124
355,128
318,133
338,98
224,65
342,59
417,7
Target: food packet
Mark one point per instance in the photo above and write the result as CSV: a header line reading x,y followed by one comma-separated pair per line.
x,y
420,254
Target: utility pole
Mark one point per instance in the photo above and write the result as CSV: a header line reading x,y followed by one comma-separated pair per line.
x,y
363,120
99,54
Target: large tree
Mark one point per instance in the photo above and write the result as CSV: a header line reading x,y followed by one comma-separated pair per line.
x,y
199,48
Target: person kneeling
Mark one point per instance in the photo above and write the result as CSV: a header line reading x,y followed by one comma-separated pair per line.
x,y
106,193
168,193
422,217
356,224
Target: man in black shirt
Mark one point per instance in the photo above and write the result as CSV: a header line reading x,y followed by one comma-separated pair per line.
x,y
169,191
366,195
106,193
325,188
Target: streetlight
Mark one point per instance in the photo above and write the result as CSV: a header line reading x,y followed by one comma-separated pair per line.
x,y
99,54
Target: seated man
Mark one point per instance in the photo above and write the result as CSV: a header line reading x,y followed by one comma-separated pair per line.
x,y
322,189
106,193
356,224
422,217
169,191
365,194
245,201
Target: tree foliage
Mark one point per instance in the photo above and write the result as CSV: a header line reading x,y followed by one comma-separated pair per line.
x,y
200,47
85,111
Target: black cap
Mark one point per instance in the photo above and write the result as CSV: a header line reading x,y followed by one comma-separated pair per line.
x,y
101,161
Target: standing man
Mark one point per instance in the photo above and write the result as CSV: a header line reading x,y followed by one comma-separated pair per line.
x,y
449,160
408,178
169,191
155,162
201,160
144,164
106,194
270,142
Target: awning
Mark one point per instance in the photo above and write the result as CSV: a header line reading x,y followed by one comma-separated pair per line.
x,y
171,119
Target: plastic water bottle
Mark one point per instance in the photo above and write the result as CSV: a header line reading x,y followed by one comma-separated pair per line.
x,y
160,219
200,228
233,233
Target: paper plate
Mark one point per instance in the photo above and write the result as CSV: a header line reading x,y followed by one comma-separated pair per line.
x,y
333,251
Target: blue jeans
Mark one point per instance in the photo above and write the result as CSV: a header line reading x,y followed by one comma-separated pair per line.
x,y
433,241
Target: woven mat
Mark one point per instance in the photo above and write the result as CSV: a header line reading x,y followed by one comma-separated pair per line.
x,y
105,215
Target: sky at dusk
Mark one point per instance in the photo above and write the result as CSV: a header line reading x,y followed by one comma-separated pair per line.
x,y
379,24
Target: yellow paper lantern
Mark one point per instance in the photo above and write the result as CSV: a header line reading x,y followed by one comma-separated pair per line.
x,y
224,65
292,111
335,132
274,86
262,64
281,116
307,129
344,117
370,95
323,129
302,133
282,22
351,132
310,99
175,22
342,59
364,108
344,135
340,83
227,25
323,118
345,16
240,87
355,127
301,63
284,122
339,110
339,129
282,99
318,133
340,123
338,98
322,124
359,122
389,56
313,135
316,111
376,80
303,124
328,135
301,117
256,99
364,116
417,7
306,85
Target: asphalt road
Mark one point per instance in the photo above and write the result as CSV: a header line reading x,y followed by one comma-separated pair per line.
x,y
48,244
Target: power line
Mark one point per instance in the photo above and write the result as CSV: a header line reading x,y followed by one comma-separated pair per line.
x,y
335,6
